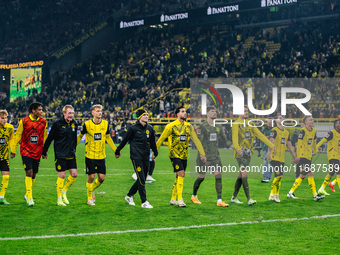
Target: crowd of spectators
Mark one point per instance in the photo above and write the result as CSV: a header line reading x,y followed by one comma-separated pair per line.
x,y
148,68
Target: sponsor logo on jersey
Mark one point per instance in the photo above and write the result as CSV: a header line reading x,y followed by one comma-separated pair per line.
x,y
247,134
183,138
283,140
97,136
34,139
213,137
2,140
310,140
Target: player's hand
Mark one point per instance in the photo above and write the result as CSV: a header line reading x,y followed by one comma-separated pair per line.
x,y
232,147
273,150
296,160
268,155
153,157
313,153
117,156
13,154
203,158
239,152
44,157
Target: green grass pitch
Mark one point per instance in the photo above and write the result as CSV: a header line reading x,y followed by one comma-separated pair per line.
x,y
126,229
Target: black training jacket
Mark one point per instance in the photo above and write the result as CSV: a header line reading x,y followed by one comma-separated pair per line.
x,y
141,139
65,139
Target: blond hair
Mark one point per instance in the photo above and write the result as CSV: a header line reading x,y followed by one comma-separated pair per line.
x,y
3,112
66,107
96,106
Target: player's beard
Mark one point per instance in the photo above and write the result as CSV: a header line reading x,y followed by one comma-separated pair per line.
x,y
184,118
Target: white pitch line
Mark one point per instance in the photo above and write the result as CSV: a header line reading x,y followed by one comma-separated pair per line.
x,y
166,229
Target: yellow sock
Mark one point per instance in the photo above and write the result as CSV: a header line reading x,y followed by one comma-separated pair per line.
x,y
180,187
33,181
89,189
337,179
174,190
4,185
28,184
60,184
311,184
296,184
96,184
278,185
70,180
274,189
326,181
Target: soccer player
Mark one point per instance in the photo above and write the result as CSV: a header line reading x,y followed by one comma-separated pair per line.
x,y
209,136
333,155
6,140
179,133
142,138
97,132
279,136
243,136
306,148
64,134
32,132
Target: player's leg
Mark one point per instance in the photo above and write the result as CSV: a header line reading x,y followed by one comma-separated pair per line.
x,y
302,168
325,183
4,167
90,171
180,166
218,188
72,166
197,183
27,162
60,185
150,172
139,184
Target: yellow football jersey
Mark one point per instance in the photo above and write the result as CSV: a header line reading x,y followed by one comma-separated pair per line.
x,y
281,138
333,144
243,136
306,144
96,135
6,140
179,135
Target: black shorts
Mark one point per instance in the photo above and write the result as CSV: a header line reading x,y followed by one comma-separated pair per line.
x,y
178,164
334,166
61,164
304,166
4,165
31,163
277,167
95,166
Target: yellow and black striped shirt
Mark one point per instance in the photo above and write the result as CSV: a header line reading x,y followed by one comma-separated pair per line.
x,y
96,135
333,147
281,138
306,144
6,140
179,135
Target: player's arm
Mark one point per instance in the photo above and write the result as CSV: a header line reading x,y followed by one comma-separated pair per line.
x,y
153,143
109,139
328,137
263,138
235,141
49,139
166,133
45,132
124,141
197,143
11,143
81,134
18,136
314,145
225,139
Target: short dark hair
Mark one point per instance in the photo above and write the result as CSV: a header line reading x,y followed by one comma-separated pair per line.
x,y
34,106
177,110
338,120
